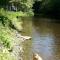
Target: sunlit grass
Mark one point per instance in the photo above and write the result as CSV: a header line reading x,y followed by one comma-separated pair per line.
x,y
7,20
5,55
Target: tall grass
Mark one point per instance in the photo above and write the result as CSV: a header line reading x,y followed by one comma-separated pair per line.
x,y
8,20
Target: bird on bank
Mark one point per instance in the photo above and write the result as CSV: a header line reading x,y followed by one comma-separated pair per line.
x,y
26,37
36,57
18,35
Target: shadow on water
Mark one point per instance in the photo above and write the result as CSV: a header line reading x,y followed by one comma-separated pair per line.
x,y
46,19
27,31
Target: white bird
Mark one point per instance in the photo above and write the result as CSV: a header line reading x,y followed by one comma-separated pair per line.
x,y
26,37
36,57
18,35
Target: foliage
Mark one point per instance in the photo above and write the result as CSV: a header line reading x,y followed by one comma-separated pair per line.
x,y
5,37
21,5
51,7
4,2
5,55
9,22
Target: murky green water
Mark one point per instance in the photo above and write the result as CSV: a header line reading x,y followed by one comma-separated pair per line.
x,y
27,31
45,38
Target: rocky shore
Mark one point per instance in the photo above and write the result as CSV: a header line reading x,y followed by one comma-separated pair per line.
x,y
17,50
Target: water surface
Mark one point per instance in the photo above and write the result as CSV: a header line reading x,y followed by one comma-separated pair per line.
x,y
45,41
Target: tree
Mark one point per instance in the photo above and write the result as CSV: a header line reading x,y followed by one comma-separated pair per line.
x,y
51,7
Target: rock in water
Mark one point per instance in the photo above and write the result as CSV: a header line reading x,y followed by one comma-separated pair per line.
x,y
36,57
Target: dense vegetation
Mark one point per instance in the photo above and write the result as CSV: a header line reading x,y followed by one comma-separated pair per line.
x,y
10,10
48,8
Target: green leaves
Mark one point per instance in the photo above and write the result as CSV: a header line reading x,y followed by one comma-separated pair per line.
x,y
5,55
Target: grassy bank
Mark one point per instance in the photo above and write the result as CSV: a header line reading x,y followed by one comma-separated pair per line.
x,y
9,23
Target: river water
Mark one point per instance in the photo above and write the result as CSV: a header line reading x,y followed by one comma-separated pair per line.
x,y
45,40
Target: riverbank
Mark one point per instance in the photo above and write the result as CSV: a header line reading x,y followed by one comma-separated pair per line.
x,y
10,36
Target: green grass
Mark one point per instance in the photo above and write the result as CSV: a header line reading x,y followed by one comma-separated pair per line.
x,y
7,20
11,14
6,40
5,36
5,55
9,23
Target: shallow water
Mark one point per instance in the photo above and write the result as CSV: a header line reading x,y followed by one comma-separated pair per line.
x,y
45,38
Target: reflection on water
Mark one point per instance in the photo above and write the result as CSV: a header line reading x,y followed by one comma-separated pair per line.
x,y
45,38
27,30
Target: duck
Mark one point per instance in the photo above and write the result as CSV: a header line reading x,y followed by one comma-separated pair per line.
x,y
36,56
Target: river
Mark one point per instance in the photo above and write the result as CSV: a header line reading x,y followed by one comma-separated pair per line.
x,y
45,33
